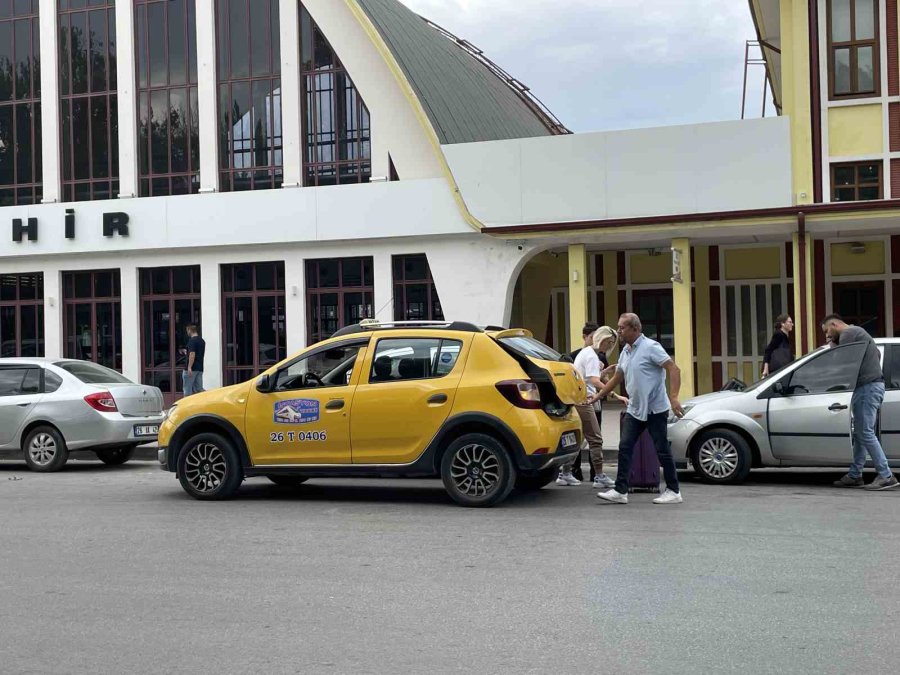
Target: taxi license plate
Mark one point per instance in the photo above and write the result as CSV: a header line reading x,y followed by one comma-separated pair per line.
x,y
146,429
569,439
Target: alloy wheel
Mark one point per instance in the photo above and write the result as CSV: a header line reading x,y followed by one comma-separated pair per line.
x,y
718,458
475,470
205,467
42,449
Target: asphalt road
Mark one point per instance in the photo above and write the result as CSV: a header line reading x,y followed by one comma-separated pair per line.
x,y
116,570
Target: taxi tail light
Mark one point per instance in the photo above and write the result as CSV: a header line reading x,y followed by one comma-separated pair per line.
x,y
521,393
102,401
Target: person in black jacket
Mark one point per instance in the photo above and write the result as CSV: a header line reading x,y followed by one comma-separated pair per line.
x,y
779,353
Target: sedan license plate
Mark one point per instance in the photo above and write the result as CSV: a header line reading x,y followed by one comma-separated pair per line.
x,y
569,439
146,429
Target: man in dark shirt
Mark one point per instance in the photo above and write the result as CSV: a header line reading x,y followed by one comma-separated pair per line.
x,y
193,375
864,407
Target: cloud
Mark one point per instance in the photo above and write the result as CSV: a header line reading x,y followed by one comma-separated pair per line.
x,y
607,64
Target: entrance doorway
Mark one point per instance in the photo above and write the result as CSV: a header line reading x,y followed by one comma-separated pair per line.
x,y
170,301
861,303
657,314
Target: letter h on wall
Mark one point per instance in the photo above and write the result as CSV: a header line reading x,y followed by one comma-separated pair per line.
x,y
19,230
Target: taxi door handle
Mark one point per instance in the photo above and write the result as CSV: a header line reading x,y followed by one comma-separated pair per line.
x,y
834,407
336,404
435,399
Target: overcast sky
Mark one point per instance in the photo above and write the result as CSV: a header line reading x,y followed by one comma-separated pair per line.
x,y
614,64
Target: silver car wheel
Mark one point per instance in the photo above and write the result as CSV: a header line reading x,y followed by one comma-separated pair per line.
x,y
42,449
475,470
718,458
205,467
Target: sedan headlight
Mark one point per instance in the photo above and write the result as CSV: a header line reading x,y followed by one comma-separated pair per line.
x,y
673,418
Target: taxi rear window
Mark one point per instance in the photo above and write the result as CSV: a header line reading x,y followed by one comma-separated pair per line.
x,y
531,347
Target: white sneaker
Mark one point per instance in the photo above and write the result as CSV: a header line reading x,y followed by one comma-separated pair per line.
x,y
613,496
567,479
669,497
603,481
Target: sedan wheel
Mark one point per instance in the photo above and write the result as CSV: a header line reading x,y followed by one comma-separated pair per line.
x,y
209,467
45,450
477,471
722,456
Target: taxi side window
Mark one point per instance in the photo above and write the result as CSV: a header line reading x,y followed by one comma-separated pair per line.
x,y
328,368
398,359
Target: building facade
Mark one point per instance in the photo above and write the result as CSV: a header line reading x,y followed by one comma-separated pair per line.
x,y
273,170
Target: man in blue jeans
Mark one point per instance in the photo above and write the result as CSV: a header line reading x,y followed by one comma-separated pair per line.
x,y
864,407
192,376
643,365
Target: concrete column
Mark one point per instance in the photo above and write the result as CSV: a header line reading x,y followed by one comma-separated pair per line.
x,y
295,303
211,326
127,100
53,312
207,88
611,309
384,286
684,319
130,309
291,131
578,298
50,114
702,319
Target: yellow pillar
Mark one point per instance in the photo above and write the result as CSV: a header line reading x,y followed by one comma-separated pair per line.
x,y
815,333
578,298
805,329
611,311
684,318
702,320
795,87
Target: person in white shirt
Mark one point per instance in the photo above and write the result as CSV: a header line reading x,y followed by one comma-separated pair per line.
x,y
587,363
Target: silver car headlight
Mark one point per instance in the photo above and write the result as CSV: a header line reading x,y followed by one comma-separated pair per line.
x,y
673,418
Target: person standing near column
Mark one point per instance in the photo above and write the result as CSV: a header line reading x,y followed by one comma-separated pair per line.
x,y
864,406
778,353
192,376
643,366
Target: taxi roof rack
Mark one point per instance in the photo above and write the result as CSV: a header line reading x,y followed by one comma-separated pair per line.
x,y
375,324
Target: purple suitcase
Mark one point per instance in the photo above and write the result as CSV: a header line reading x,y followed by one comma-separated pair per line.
x,y
644,465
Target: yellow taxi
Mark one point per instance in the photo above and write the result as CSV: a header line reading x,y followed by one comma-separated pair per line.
x,y
486,410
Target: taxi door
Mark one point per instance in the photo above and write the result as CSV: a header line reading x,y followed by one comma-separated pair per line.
x,y
405,395
303,416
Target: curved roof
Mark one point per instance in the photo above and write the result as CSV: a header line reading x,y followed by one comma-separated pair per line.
x,y
466,97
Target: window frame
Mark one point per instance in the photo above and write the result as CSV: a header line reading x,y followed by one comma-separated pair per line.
x,y
856,185
25,367
440,346
854,46
360,343
401,285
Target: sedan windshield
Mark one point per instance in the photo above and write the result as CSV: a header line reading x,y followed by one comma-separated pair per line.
x,y
91,373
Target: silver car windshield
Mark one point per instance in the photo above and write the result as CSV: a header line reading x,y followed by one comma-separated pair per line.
x,y
91,373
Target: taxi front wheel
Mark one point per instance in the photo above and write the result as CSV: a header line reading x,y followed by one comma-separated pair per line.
x,y
477,471
209,467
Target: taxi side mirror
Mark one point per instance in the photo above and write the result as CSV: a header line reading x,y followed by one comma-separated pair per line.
x,y
264,384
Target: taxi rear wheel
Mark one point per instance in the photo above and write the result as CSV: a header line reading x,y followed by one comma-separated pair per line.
x,y
477,471
115,456
287,481
209,467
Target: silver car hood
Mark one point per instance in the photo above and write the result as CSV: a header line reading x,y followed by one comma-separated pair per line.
x,y
715,397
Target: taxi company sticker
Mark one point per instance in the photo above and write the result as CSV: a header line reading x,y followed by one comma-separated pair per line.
x,y
446,357
296,411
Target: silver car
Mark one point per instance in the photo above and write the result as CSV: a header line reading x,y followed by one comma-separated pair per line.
x,y
51,407
798,416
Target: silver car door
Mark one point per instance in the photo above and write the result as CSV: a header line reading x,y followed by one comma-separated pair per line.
x,y
809,413
890,409
19,392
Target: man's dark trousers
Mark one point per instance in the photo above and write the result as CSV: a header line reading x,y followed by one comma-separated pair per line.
x,y
632,428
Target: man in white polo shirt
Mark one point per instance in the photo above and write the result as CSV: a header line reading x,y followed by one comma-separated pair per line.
x,y
643,365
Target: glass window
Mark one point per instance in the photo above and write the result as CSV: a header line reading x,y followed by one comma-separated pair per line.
x,y
531,347
20,106
332,367
413,359
249,94
32,382
856,182
92,373
339,293
834,370
893,363
89,110
93,324
52,382
415,295
11,381
21,315
853,48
